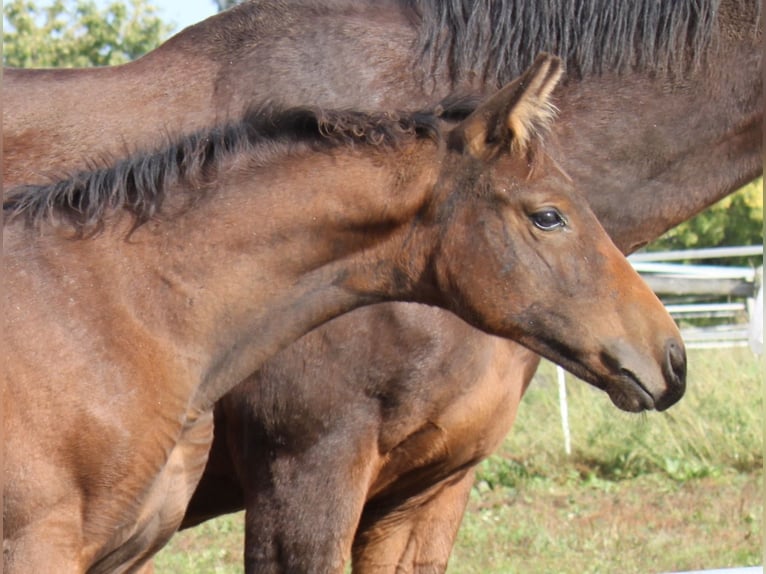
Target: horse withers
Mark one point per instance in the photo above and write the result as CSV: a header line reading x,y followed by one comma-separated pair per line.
x,y
164,280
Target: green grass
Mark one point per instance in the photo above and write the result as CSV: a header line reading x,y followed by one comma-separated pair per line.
x,y
214,547
715,428
656,492
640,525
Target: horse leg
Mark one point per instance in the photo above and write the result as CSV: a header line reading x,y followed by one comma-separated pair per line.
x,y
415,537
302,511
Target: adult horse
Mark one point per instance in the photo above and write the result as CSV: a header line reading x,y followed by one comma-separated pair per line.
x,y
284,452
163,281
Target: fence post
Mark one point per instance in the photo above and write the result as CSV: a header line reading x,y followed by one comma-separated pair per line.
x,y
564,409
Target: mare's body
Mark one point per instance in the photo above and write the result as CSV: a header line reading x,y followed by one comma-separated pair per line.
x,y
288,439
473,384
161,282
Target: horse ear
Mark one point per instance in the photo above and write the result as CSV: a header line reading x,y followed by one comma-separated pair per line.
x,y
514,115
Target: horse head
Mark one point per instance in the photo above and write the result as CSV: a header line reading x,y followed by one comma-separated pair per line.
x,y
534,262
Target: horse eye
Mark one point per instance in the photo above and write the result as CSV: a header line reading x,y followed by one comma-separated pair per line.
x,y
548,219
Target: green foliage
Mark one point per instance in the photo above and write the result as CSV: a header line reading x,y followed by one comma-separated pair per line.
x,y
735,220
77,33
506,472
716,428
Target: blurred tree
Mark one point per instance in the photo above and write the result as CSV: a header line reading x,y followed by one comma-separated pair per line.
x,y
77,33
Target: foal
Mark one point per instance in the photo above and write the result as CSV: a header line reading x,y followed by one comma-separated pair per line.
x,y
163,281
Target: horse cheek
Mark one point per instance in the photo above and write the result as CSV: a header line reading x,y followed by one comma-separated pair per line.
x,y
495,272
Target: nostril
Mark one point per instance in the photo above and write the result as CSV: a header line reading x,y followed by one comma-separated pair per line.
x,y
675,374
677,360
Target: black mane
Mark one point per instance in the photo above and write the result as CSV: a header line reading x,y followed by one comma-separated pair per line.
x,y
497,40
494,41
139,183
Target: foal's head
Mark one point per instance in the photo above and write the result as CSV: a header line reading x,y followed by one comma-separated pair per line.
x,y
521,254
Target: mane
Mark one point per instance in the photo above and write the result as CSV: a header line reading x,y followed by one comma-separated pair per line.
x,y
139,184
498,40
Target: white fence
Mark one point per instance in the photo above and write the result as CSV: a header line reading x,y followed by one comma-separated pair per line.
x,y
725,295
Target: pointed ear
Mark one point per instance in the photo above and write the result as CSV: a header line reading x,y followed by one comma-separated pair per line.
x,y
514,115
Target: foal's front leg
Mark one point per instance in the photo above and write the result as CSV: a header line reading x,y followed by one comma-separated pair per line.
x,y
50,545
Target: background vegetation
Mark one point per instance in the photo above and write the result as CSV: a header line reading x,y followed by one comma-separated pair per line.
x,y
77,33
735,220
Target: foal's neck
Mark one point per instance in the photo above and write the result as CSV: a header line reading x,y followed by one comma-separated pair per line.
x,y
273,252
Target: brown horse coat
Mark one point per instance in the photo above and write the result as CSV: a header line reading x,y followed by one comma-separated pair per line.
x,y
654,90
412,509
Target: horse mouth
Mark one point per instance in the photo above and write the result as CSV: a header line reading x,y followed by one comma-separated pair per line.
x,y
629,394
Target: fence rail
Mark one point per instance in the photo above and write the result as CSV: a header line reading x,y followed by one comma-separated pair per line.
x,y
722,295
689,254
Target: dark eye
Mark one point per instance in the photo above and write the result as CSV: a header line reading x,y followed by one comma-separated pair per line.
x,y
548,219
